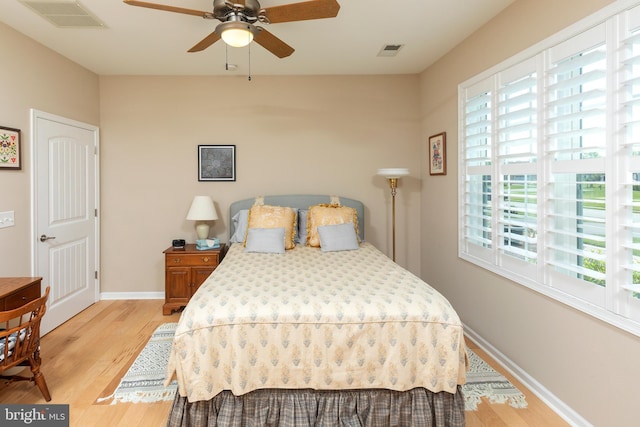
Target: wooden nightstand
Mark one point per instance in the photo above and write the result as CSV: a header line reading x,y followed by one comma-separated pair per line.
x,y
185,270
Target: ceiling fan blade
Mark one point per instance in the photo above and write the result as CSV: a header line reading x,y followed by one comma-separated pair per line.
x,y
273,44
205,42
168,8
311,9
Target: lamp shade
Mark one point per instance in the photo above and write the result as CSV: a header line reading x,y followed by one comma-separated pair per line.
x,y
202,209
393,172
236,33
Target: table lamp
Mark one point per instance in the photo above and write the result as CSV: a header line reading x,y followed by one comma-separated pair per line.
x,y
202,210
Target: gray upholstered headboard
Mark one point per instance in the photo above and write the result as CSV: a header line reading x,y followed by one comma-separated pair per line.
x,y
300,201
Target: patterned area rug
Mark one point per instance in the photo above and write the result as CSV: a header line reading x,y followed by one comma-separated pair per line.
x,y
484,381
144,381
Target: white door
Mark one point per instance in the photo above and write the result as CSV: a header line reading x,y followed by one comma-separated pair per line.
x,y
65,214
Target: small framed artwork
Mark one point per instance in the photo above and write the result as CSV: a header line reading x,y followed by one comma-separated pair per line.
x,y
438,154
10,150
216,162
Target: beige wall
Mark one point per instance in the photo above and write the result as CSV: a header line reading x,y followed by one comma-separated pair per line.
x,y
315,135
32,76
586,363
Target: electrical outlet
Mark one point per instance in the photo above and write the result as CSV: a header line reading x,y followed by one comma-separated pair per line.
x,y
7,219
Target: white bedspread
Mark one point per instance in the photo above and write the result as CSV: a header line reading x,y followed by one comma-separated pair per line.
x,y
320,320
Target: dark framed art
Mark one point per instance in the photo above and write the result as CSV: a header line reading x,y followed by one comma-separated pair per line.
x,y
10,150
438,154
216,162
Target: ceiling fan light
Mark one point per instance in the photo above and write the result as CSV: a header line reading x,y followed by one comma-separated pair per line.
x,y
236,37
236,34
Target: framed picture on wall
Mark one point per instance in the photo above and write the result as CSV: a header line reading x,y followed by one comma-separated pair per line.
x,y
438,154
10,150
216,162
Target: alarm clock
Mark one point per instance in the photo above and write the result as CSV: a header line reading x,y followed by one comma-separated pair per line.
x,y
178,243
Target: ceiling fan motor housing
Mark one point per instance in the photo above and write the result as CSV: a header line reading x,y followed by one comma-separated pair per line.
x,y
225,10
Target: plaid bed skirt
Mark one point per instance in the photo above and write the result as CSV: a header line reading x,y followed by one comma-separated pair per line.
x,y
301,408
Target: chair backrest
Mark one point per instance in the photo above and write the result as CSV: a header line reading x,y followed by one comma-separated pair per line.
x,y
20,331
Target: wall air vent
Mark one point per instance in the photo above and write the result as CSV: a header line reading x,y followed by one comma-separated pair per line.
x,y
64,14
390,50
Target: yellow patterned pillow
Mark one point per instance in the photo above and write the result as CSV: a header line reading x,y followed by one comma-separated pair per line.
x,y
328,215
266,216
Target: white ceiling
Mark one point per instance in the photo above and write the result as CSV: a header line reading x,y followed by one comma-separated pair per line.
x,y
151,42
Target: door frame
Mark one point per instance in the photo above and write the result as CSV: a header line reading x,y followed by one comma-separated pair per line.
x,y
34,116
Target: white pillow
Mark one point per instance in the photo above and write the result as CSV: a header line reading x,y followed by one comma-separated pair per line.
x,y
338,237
265,240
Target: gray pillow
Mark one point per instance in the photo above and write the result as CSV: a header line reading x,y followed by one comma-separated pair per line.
x,y
339,237
240,221
302,226
265,240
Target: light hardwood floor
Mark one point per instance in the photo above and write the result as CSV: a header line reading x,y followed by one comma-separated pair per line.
x,y
90,353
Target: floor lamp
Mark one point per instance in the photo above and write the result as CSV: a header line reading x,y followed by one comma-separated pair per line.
x,y
393,174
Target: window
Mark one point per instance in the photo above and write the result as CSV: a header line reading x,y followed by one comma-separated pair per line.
x,y
549,191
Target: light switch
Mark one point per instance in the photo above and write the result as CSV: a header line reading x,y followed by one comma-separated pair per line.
x,y
7,219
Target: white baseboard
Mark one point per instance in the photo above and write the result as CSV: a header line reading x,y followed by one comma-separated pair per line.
x,y
557,405
131,295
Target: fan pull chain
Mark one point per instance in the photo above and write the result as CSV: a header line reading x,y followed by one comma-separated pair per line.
x,y
249,78
226,57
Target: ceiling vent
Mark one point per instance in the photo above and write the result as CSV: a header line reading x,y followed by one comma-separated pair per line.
x,y
64,14
390,50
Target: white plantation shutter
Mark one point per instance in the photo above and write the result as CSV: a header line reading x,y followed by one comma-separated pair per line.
x,y
478,128
577,119
477,228
629,276
517,143
549,186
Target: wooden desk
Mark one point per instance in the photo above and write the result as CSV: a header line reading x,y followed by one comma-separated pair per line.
x,y
17,291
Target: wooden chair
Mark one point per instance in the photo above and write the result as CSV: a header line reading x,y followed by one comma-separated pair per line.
x,y
20,341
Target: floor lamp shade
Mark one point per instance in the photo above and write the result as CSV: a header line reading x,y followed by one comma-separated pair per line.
x,y
202,210
393,174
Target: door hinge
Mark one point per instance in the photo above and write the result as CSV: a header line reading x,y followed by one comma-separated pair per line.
x,y
95,212
96,274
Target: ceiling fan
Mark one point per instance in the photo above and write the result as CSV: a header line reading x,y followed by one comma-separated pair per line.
x,y
237,27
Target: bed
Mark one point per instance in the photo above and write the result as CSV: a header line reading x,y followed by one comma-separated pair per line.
x,y
324,335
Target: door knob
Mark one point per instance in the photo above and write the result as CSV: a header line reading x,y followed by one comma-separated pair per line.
x,y
44,238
